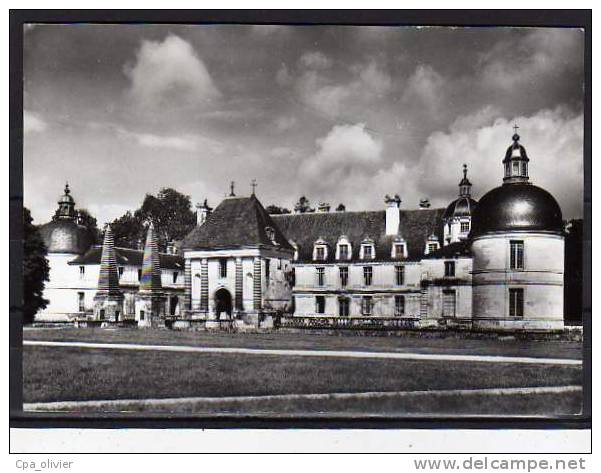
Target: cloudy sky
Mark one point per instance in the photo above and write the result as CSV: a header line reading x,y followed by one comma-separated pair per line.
x,y
340,114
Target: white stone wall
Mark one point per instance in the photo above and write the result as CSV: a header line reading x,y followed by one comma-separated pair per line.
x,y
541,279
453,233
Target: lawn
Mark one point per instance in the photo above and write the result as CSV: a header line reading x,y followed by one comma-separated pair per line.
x,y
505,346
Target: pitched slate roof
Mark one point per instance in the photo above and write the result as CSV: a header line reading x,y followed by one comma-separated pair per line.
x,y
415,227
452,250
236,222
128,257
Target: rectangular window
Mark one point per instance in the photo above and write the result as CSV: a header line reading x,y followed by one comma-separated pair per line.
x,y
516,168
399,275
81,297
399,250
102,314
366,305
432,247
399,305
223,267
141,315
449,269
516,254
320,304
367,252
516,302
465,227
175,275
367,275
448,303
321,276
320,253
343,276
293,277
82,272
120,269
343,307
343,251
139,274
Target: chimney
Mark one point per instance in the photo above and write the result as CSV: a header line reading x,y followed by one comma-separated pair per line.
x,y
393,214
323,207
202,213
424,203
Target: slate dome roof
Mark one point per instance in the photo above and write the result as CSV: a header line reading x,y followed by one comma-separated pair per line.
x,y
461,207
65,236
517,207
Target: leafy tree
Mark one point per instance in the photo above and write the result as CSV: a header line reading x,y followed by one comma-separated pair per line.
x,y
170,211
340,208
87,220
303,205
35,269
276,210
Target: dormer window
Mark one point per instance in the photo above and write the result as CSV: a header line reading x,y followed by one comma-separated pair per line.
x,y
368,250
295,246
320,250
270,232
343,249
432,244
399,249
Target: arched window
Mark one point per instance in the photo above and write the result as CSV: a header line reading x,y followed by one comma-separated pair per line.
x,y
344,249
399,248
320,250
368,249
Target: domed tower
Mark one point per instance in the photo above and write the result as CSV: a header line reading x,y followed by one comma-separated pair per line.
x,y
518,248
457,218
65,239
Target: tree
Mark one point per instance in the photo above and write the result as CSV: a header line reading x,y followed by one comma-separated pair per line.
x,y
35,269
87,220
341,208
276,210
170,211
303,206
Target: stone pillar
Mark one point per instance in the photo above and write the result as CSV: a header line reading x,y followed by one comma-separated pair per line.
x,y
257,286
239,297
187,302
204,286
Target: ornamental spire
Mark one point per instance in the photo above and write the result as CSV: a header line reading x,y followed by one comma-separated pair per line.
x,y
465,186
516,161
151,265
108,279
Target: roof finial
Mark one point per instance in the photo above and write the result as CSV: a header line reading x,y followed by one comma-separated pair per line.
x,y
464,170
232,189
515,136
253,184
67,190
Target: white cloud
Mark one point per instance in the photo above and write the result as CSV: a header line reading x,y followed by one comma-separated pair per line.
x,y
315,60
553,140
32,122
424,89
184,142
170,73
285,123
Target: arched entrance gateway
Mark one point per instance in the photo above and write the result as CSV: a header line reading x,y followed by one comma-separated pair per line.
x,y
223,303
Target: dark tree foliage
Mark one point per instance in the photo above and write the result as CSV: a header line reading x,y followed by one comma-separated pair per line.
x,y
340,208
276,210
573,272
170,211
87,220
303,205
35,269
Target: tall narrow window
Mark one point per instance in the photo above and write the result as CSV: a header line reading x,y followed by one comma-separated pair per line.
x,y
448,303
292,277
367,275
82,272
516,254
320,253
449,269
343,307
321,276
367,252
81,301
366,305
223,267
139,274
399,275
120,269
175,275
343,249
399,250
320,304
516,302
399,305
343,276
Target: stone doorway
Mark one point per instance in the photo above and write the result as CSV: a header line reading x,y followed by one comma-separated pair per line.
x,y
223,303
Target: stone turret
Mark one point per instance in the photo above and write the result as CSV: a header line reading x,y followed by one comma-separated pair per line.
x,y
150,300
108,301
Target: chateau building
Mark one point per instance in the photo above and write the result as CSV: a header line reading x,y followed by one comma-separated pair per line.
x,y
476,264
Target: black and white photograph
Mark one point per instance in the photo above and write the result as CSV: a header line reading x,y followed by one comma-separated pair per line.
x,y
290,221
